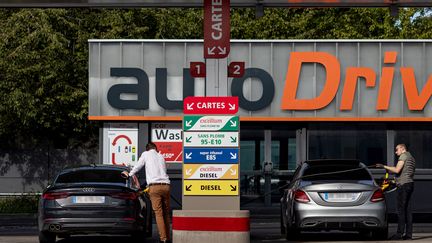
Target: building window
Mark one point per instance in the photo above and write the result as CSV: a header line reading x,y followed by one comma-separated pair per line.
x,y
356,141
275,147
247,155
418,143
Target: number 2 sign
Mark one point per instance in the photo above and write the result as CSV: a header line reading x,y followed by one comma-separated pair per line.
x,y
236,69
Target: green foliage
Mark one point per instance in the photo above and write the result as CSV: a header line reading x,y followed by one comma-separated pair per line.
x,y
301,23
44,54
41,94
20,204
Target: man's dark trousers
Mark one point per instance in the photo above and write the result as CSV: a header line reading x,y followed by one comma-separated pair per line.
x,y
404,211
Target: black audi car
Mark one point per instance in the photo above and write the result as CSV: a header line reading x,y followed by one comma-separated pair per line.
x,y
93,199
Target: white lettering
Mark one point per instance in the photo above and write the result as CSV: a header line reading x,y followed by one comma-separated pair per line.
x,y
216,19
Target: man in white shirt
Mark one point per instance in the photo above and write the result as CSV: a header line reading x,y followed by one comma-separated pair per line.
x,y
159,187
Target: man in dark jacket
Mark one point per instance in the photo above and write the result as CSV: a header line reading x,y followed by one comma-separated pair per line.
x,y
404,171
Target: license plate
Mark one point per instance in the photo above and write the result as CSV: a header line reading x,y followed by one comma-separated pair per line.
x,y
88,199
340,196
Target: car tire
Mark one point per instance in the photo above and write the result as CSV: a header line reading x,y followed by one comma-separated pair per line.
x,y
149,229
291,233
139,236
46,237
148,218
380,234
282,225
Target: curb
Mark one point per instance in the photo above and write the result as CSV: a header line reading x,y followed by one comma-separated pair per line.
x,y
18,219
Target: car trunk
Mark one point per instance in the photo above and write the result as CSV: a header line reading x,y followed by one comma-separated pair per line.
x,y
90,201
339,194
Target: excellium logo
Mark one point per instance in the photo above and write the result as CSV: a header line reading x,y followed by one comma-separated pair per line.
x,y
416,100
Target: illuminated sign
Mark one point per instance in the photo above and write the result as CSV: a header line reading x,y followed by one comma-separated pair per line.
x,y
211,187
210,171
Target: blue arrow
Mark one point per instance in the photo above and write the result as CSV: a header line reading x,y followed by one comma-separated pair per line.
x,y
211,155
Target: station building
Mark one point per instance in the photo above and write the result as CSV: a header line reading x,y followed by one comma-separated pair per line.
x,y
299,100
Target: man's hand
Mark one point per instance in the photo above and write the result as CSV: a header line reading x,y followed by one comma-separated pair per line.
x,y
125,174
379,165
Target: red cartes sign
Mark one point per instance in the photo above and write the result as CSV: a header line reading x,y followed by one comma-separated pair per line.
x,y
216,28
210,105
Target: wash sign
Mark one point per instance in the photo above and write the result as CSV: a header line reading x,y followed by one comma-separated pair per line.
x,y
211,123
211,155
168,139
210,171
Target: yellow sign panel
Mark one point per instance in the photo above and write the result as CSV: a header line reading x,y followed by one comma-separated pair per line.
x,y
211,188
210,171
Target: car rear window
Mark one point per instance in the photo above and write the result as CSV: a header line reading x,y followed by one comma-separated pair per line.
x,y
336,173
91,176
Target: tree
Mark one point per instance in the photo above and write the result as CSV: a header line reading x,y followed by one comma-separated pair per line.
x,y
44,54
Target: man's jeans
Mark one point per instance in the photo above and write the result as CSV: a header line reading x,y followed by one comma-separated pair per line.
x,y
160,199
404,211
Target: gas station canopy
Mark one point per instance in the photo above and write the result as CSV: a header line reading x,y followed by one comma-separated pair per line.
x,y
199,3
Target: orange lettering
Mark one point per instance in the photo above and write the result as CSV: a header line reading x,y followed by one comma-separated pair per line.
x,y
385,88
332,67
386,81
415,100
350,84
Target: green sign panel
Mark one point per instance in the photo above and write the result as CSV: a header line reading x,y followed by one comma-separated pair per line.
x,y
211,123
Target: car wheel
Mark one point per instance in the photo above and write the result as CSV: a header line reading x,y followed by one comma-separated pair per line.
x,y
282,225
148,218
139,236
46,237
380,234
292,233
149,229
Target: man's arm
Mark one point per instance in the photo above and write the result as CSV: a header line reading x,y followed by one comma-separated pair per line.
x,y
395,169
137,167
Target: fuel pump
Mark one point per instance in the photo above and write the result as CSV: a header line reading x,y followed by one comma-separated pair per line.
x,y
388,185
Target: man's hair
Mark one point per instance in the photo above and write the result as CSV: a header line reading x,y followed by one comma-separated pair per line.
x,y
402,145
150,146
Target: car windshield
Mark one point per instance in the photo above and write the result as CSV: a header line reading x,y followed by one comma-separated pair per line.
x,y
336,173
91,176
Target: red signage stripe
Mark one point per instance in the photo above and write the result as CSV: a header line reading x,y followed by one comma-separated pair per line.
x,y
210,224
210,105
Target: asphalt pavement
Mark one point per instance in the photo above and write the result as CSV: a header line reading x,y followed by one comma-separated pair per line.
x,y
261,232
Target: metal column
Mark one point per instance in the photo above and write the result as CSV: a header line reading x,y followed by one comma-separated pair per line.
x,y
268,167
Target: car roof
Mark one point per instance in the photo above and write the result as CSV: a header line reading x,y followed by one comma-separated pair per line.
x,y
345,162
96,167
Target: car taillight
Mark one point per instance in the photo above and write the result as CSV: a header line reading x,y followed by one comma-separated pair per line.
x,y
300,196
124,195
54,195
377,196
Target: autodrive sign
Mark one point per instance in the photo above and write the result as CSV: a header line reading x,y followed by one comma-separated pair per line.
x,y
341,79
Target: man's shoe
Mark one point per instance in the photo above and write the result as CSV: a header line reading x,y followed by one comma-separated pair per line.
x,y
405,237
396,237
